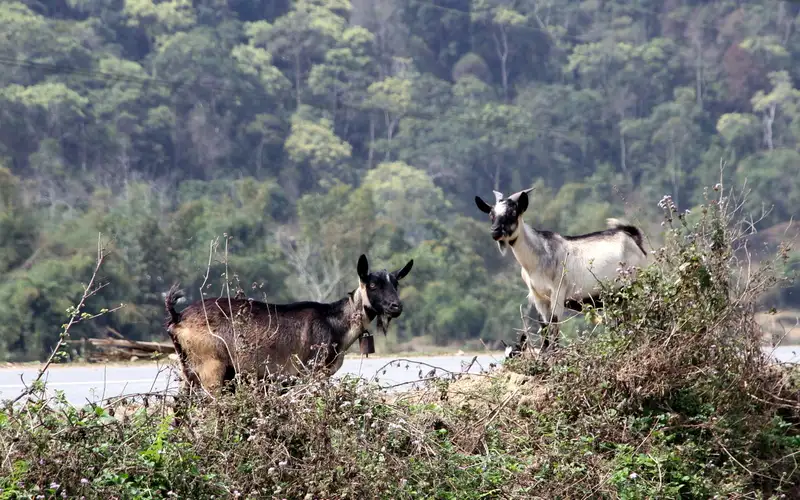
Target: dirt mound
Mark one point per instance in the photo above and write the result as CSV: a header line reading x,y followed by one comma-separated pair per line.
x,y
481,392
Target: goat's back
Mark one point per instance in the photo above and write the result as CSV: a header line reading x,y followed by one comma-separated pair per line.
x,y
598,255
250,335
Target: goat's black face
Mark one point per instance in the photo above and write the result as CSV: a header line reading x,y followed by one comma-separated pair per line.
x,y
504,215
381,288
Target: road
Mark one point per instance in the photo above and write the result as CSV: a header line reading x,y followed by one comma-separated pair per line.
x,y
85,383
96,382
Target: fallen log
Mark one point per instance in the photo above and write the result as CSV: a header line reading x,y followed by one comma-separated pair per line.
x,y
94,349
146,347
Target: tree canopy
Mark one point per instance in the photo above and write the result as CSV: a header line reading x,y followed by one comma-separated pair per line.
x,y
296,135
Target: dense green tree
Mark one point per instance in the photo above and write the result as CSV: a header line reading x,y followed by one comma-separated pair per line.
x,y
18,231
264,146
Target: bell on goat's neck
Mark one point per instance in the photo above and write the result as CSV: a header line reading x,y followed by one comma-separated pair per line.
x,y
367,344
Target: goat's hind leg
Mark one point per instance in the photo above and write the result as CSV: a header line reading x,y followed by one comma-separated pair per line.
x,y
189,386
211,374
189,381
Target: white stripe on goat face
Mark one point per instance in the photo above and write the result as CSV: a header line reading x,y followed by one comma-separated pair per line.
x,y
500,209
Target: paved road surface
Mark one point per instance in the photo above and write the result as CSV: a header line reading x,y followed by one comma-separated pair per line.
x,y
96,382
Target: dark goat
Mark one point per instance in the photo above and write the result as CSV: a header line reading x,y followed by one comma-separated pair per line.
x,y
217,338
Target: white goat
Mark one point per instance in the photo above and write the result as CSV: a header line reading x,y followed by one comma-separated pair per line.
x,y
561,271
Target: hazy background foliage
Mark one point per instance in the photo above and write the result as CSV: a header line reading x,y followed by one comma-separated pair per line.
x,y
313,131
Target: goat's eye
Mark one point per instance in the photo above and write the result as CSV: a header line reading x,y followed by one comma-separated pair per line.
x,y
372,286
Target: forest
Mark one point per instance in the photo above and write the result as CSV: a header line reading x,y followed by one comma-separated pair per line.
x,y
271,142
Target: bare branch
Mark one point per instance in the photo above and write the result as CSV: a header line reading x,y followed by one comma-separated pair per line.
x,y
314,271
76,317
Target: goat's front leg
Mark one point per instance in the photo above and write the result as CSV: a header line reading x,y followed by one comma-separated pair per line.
x,y
558,309
543,307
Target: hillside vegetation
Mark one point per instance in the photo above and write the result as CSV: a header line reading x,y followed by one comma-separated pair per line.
x,y
287,138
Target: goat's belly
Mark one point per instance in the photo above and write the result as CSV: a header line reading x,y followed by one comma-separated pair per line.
x,y
587,289
285,367
585,275
293,363
577,303
264,362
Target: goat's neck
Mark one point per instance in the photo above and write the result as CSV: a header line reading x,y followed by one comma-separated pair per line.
x,y
527,244
357,319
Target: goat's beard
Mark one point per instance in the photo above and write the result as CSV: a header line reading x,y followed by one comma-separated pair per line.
x,y
383,323
502,246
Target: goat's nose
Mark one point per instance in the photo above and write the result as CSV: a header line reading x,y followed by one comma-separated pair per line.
x,y
395,307
497,234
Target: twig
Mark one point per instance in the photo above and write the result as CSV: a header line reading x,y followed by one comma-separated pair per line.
x,y
469,366
114,399
212,247
609,474
427,379
88,291
502,405
398,360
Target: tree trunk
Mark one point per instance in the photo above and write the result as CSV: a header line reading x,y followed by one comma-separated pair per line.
x,y
698,68
787,19
176,138
619,103
676,167
260,158
391,123
371,151
297,78
334,109
501,45
769,118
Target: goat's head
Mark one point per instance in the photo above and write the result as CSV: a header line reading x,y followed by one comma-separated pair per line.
x,y
379,291
506,216
511,351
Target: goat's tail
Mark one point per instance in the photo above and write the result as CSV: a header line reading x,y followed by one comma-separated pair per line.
x,y
628,229
173,316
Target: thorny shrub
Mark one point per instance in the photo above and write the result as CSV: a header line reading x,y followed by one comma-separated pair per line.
x,y
676,396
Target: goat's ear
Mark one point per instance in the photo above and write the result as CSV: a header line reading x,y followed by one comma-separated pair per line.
x,y
522,202
482,205
363,268
402,273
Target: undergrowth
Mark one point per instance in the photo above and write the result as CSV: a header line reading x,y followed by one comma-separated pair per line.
x,y
672,398
676,397
317,439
